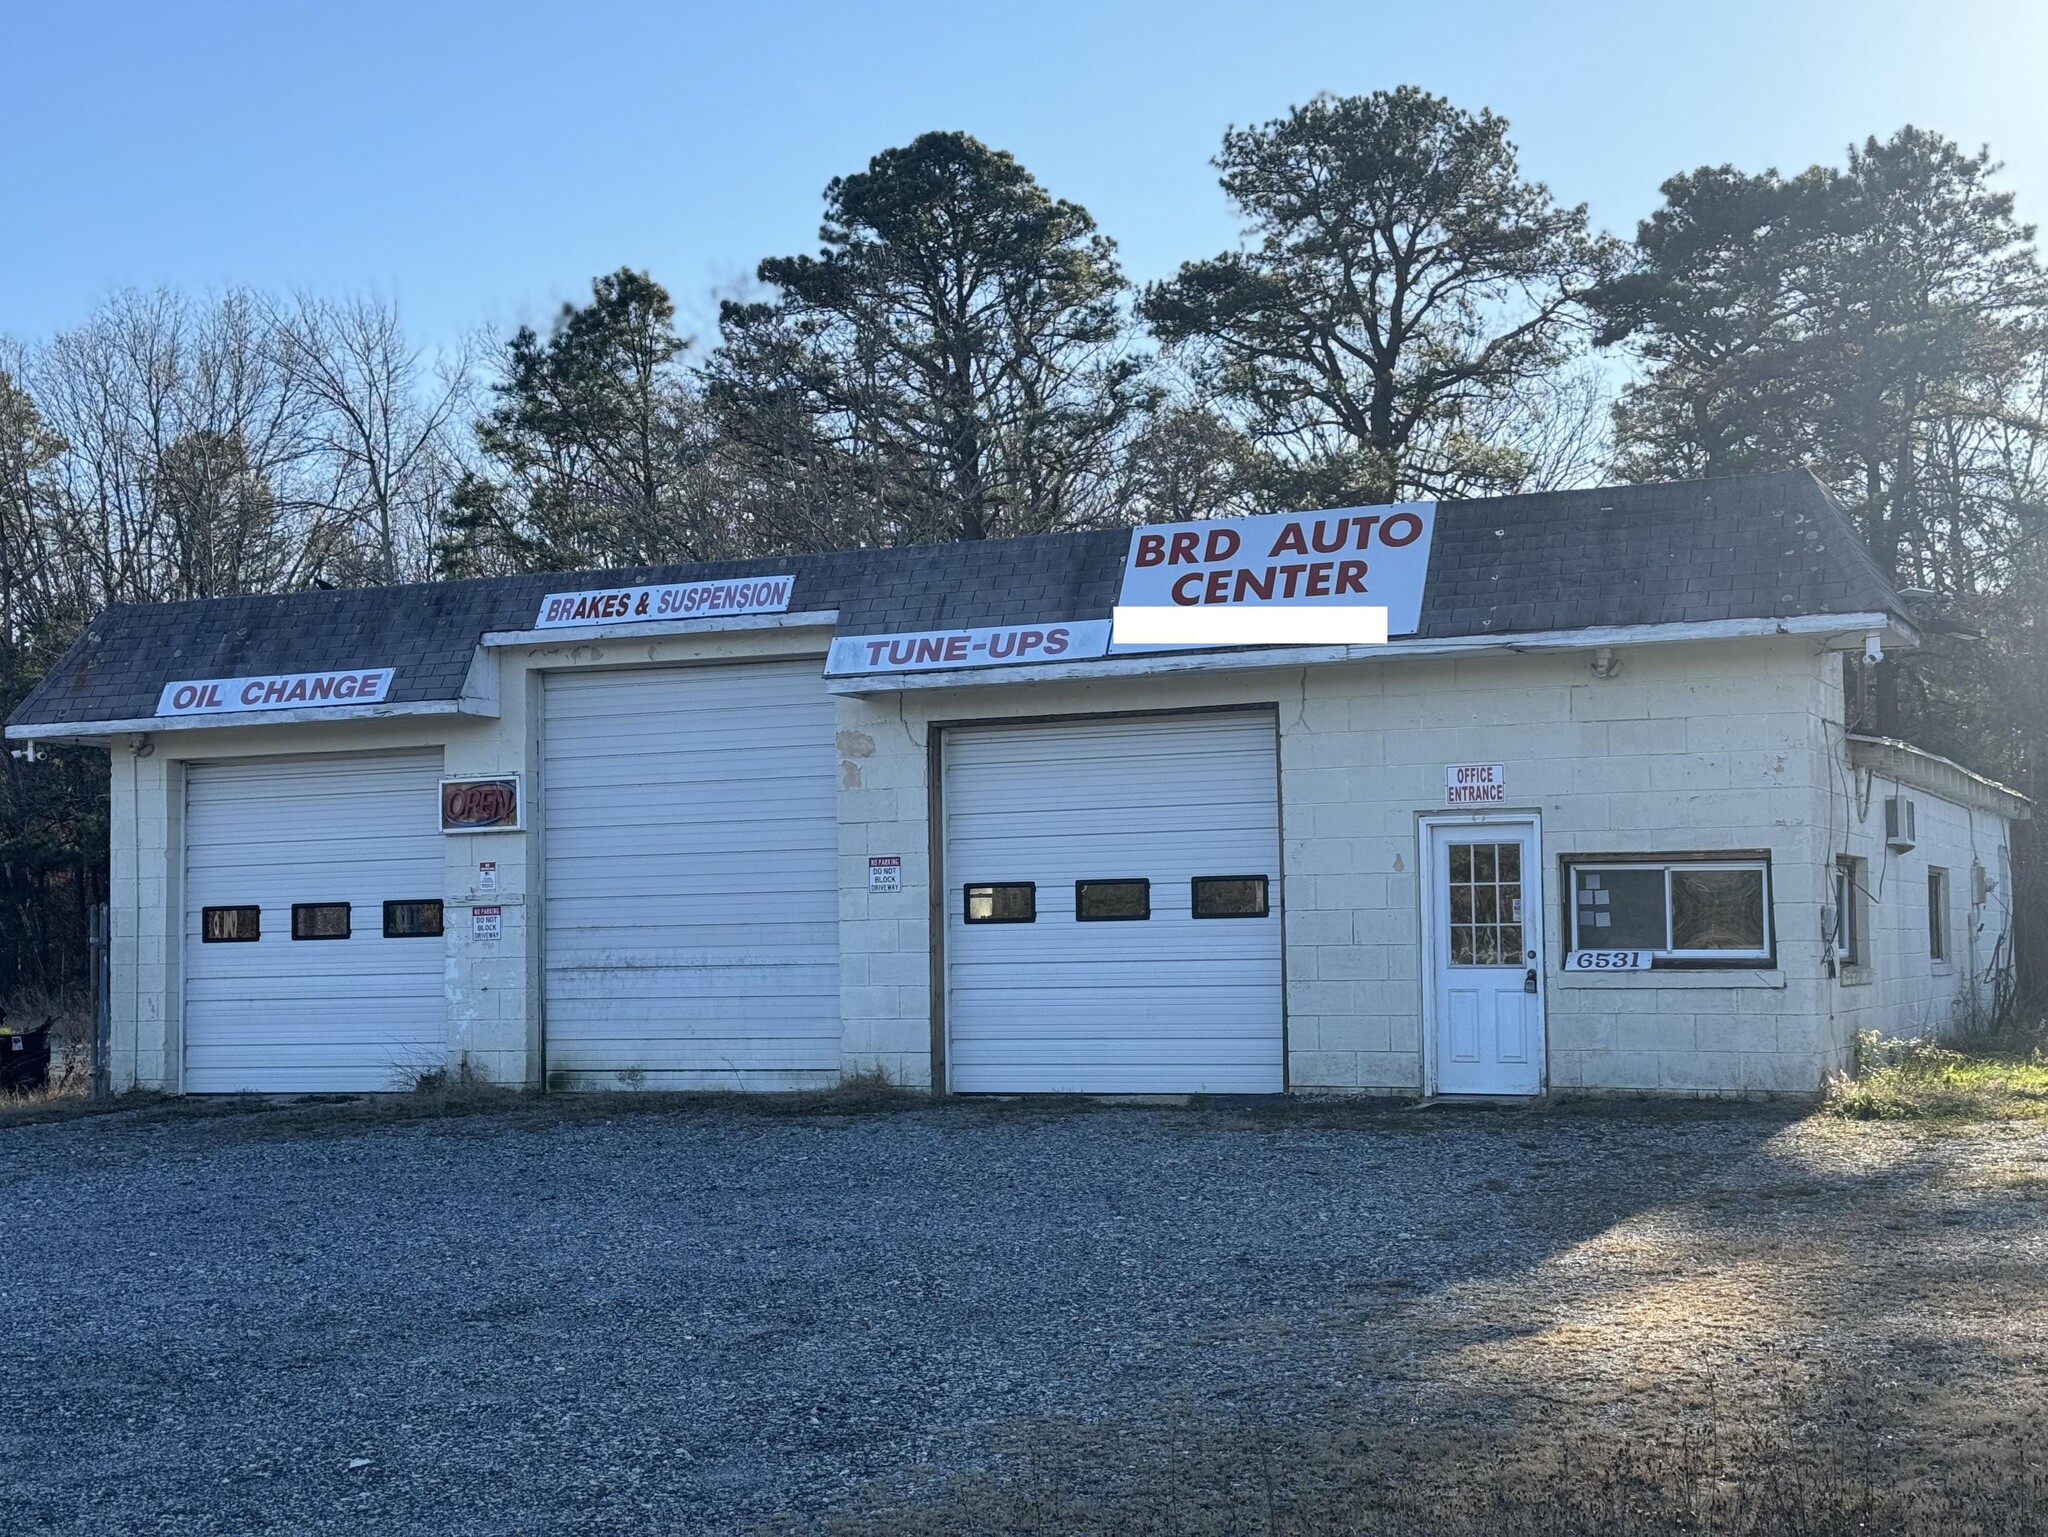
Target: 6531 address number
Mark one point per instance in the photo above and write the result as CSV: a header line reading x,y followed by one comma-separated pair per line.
x,y
1607,960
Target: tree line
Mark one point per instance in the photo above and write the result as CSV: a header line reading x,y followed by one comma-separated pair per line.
x,y
1408,314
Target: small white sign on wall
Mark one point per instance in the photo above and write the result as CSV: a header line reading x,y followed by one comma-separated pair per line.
x,y
1476,784
1607,960
486,922
487,875
885,872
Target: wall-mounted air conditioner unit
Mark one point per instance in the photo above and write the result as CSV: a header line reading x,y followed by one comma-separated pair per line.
x,y
1898,823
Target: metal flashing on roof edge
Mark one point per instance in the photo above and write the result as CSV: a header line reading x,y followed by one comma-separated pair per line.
x,y
815,619
159,724
1841,631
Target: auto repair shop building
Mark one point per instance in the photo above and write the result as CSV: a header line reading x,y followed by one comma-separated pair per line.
x,y
1591,819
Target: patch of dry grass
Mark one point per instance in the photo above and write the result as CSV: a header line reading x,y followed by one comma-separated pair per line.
x,y
1985,1077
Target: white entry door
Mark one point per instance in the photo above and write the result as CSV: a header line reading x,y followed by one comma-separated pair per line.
x,y
1485,938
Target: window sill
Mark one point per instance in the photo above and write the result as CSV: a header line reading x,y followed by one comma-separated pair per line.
x,y
1672,978
1941,968
1855,976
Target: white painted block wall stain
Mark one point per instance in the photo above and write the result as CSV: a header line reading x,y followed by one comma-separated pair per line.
x,y
1699,746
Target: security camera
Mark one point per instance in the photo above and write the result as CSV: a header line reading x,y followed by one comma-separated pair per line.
x,y
1873,650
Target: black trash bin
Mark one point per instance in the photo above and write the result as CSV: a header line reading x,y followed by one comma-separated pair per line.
x,y
24,1058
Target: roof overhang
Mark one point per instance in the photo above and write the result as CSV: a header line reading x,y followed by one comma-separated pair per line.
x,y
1838,632
1923,770
564,635
326,713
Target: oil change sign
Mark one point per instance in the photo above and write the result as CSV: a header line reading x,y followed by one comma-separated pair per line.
x,y
1355,557
278,691
675,600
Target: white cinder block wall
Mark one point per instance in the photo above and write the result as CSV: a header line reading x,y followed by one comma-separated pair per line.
x,y
1689,748
1694,747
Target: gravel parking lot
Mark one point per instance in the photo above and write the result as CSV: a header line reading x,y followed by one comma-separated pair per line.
x,y
553,1318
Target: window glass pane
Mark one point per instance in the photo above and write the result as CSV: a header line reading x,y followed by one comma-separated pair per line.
x,y
412,920
1510,857
1482,862
1717,909
320,920
1937,914
1011,902
1111,901
1511,944
1461,944
1461,861
230,925
1229,896
1618,909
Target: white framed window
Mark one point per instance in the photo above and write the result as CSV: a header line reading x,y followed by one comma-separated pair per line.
x,y
1684,909
1851,911
1937,913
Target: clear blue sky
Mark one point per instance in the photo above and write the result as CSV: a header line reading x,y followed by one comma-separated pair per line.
x,y
480,162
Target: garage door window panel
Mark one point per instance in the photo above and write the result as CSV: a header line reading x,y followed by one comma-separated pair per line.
x,y
1003,902
230,925
1228,896
1124,901
412,920
320,920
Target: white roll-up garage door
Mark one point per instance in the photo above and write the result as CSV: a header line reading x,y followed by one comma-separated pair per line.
x,y
1056,999
692,925
347,833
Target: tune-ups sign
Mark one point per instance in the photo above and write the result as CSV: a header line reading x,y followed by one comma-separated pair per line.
x,y
998,646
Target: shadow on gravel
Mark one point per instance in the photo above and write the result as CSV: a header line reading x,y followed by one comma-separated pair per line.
x,y
1804,1332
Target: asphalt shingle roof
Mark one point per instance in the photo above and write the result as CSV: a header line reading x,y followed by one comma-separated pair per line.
x,y
1747,547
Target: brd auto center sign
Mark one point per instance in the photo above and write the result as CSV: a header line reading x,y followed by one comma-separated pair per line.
x,y
1355,557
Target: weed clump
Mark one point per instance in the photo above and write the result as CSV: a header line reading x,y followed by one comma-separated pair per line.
x,y
1992,1075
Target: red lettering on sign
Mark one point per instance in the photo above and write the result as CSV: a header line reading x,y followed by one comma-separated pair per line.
x,y
1217,588
1001,644
1290,541
1318,580
1411,529
875,650
1186,590
1183,549
482,804
1055,642
212,697
1151,549
1259,583
185,698
1223,543
1350,576
956,648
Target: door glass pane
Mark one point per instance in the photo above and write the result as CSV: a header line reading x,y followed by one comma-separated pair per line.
x,y
1717,909
1485,891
